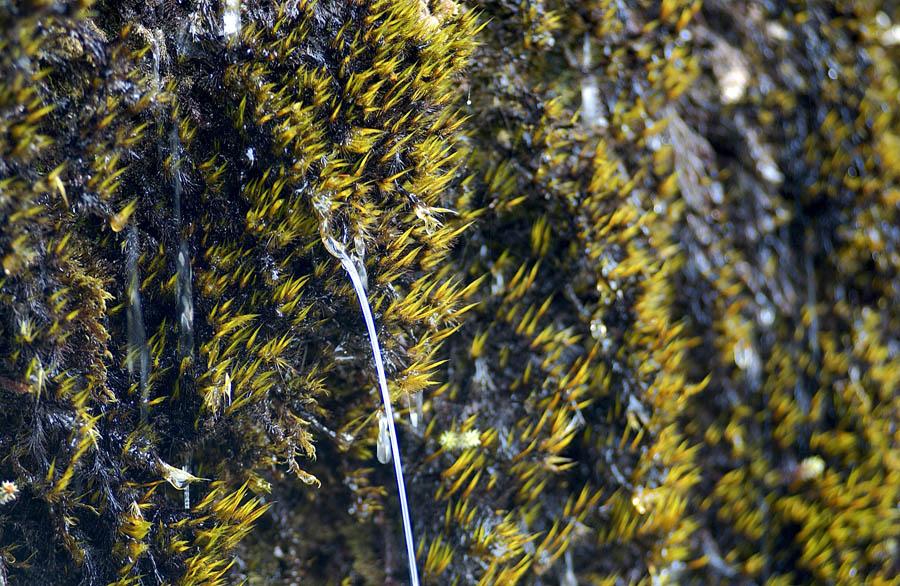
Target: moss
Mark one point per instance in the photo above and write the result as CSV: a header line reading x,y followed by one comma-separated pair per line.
x,y
794,497
635,263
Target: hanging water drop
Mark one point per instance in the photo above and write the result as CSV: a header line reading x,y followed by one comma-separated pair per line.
x,y
414,402
743,354
231,19
138,351
383,445
598,329
569,578
590,90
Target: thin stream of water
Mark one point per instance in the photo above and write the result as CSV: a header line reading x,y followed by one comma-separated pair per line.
x,y
137,333
338,251
184,280
183,283
590,91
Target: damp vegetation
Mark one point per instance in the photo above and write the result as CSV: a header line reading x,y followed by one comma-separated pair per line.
x,y
449,292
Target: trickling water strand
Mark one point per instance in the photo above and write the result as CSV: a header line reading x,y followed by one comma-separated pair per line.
x,y
184,279
569,578
187,488
337,250
185,301
590,92
175,152
231,19
137,334
183,283
155,52
813,335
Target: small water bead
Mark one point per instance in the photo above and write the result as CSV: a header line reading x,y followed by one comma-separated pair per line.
x,y
598,329
747,359
590,100
415,402
359,246
743,354
569,578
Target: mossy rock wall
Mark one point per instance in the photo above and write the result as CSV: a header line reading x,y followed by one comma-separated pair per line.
x,y
633,266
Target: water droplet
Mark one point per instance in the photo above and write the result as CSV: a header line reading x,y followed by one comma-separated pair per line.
x,y
187,489
569,578
746,358
770,172
810,468
415,403
383,445
231,19
590,100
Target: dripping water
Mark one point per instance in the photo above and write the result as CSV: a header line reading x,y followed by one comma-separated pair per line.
x,y
183,280
185,301
351,267
155,52
187,486
231,19
590,91
138,350
184,273
811,302
414,403
569,578
383,444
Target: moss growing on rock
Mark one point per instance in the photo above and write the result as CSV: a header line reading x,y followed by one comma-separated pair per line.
x,y
633,265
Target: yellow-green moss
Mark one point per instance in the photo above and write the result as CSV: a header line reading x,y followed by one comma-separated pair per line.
x,y
640,258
